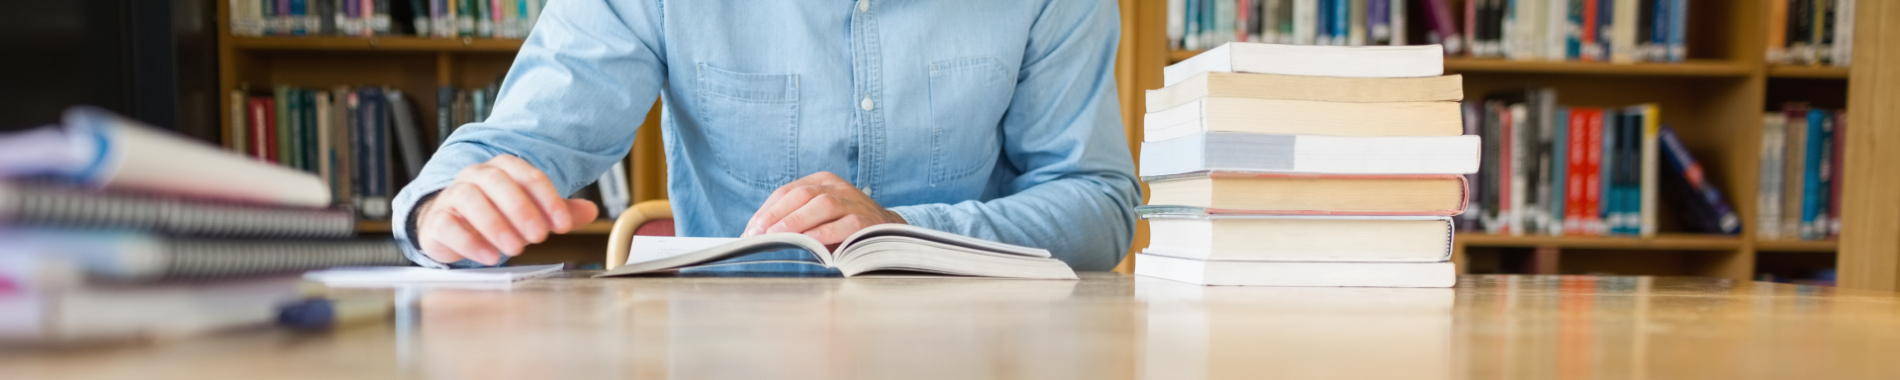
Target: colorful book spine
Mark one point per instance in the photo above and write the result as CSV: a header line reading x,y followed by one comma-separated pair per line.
x,y
1593,174
1769,186
1704,207
1815,175
1650,181
1834,193
1558,160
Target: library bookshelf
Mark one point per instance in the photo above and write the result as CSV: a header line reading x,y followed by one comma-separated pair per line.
x,y
417,66
1715,101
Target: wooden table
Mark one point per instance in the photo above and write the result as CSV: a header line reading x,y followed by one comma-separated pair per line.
x,y
1105,327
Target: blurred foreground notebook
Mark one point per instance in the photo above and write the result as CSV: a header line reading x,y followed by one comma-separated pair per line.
x,y
142,311
880,249
406,275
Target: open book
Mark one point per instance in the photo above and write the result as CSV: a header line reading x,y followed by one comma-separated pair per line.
x,y
885,248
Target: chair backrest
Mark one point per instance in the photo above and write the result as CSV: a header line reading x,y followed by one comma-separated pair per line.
x,y
649,218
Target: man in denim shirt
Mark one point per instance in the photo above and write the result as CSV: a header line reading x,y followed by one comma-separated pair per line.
x,y
995,119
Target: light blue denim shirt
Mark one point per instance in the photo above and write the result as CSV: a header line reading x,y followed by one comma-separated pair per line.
x,y
996,119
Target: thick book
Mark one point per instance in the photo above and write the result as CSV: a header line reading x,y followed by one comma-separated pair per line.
x,y
99,149
1816,175
1304,117
1311,194
1774,140
1794,168
372,149
1199,234
1650,153
45,204
1245,273
1310,154
1330,61
408,133
880,249
136,312
1443,88
134,256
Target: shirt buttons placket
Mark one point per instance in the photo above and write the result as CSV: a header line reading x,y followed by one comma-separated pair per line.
x,y
863,5
866,104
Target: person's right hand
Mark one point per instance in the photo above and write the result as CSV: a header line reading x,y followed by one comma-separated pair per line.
x,y
496,208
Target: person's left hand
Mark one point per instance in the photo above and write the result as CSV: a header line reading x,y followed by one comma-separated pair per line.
x,y
821,206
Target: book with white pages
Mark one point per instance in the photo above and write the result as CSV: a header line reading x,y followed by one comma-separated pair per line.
x,y
1280,273
1196,233
1304,117
1235,151
880,249
1312,60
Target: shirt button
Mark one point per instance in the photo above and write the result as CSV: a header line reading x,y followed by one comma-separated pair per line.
x,y
866,104
864,5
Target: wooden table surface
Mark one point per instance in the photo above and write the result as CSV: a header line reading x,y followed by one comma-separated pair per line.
x,y
1105,327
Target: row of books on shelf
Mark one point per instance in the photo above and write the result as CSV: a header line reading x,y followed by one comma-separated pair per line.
x,y
422,18
1559,170
1577,30
112,229
1811,32
366,142
1799,196
1305,166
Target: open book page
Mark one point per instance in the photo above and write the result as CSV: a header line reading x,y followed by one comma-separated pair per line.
x,y
662,254
927,234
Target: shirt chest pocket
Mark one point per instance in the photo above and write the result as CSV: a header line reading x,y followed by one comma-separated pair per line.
x,y
967,99
751,123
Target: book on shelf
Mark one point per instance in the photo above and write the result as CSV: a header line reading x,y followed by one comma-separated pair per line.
x,y
1811,32
1557,30
1556,170
1800,185
349,137
885,248
364,18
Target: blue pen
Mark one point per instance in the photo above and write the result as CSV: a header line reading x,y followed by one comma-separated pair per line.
x,y
317,314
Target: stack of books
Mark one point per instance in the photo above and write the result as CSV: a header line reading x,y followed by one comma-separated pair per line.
x,y
1283,165
111,229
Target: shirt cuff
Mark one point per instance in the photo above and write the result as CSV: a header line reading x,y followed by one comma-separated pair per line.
x,y
919,215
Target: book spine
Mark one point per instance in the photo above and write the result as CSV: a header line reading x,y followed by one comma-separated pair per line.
x,y
1472,40
1646,153
444,103
1823,33
279,114
1341,24
1398,15
1605,204
1378,22
1591,211
1768,199
1708,208
1799,32
1177,22
1357,22
321,111
1573,29
1558,29
1559,173
374,153
1844,33
1815,175
1474,199
1677,45
1646,15
237,131
1777,30
259,125
1793,176
308,98
342,147
1839,145
1492,168
1588,34
1517,122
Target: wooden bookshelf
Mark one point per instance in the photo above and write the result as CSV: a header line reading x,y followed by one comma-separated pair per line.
x,y
417,66
1715,101
468,44
1807,72
1672,241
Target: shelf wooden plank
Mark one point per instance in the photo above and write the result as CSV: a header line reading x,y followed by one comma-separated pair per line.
x,y
1797,245
1690,242
415,44
598,227
1691,68
1808,72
